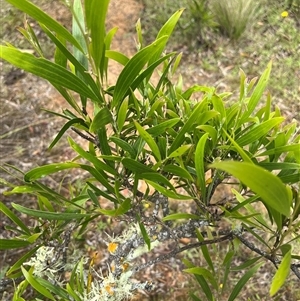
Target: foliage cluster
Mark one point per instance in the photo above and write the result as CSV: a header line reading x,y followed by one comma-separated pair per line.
x,y
181,145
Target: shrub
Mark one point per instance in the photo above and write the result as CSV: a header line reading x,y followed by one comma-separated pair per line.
x,y
183,148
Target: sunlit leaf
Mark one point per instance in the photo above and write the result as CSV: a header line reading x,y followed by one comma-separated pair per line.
x,y
47,215
268,186
282,273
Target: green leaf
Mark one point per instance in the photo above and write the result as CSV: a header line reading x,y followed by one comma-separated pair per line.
x,y
132,69
40,16
166,31
211,131
99,165
42,171
78,25
37,286
193,118
64,129
205,273
54,73
149,140
282,273
240,150
47,215
136,166
124,146
123,208
95,12
180,151
242,282
199,165
14,218
20,261
81,67
176,216
280,149
162,127
258,131
145,235
117,56
268,186
55,289
122,114
7,244
178,171
205,251
156,177
256,95
102,118
168,193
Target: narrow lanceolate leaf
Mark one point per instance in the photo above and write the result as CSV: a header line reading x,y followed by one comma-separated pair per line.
x,y
205,273
7,244
123,208
47,215
78,27
42,171
40,16
180,151
167,192
180,216
162,127
257,93
122,114
166,30
14,218
242,282
269,187
95,12
282,273
132,69
65,128
259,131
199,165
187,126
149,140
102,118
37,286
43,68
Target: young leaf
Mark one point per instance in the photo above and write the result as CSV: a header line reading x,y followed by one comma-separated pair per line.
x,y
242,282
166,31
199,165
282,273
65,128
132,69
37,286
268,186
180,151
102,118
258,131
149,140
256,95
122,114
123,208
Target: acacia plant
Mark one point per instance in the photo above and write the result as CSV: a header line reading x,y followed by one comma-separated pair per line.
x,y
181,143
